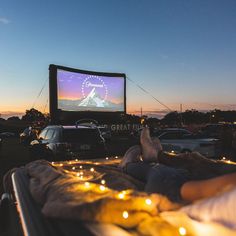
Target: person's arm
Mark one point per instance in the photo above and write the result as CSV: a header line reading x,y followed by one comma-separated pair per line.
x,y
195,190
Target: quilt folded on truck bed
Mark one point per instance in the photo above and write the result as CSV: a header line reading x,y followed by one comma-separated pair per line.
x,y
92,192
97,191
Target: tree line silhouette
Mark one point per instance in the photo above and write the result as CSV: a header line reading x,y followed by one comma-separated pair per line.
x,y
172,118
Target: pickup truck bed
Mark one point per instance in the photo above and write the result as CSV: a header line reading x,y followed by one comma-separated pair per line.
x,y
21,215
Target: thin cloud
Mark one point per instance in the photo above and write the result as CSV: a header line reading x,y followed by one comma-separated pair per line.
x,y
4,21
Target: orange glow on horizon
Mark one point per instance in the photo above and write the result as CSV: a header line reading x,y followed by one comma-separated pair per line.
x,y
78,98
9,109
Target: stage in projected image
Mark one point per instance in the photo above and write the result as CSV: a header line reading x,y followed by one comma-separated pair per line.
x,y
77,91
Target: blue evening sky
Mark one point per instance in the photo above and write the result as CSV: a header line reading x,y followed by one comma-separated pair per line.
x,y
180,51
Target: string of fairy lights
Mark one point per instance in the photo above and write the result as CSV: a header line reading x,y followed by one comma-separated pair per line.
x,y
86,174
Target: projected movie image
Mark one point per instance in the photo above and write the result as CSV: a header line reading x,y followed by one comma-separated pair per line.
x,y
84,92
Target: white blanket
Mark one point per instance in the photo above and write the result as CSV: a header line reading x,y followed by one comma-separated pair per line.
x,y
220,209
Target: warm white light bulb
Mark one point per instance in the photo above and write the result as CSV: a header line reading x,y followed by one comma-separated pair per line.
x,y
81,167
107,158
103,181
87,184
148,201
125,214
182,231
73,168
102,188
92,169
121,195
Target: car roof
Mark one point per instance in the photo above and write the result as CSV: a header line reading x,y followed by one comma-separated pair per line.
x,y
71,126
175,129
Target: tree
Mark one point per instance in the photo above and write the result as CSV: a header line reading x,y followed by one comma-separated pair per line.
x,y
172,118
14,118
33,115
153,122
193,117
132,118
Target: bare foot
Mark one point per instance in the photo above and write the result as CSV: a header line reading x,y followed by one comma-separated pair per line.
x,y
157,144
150,149
132,155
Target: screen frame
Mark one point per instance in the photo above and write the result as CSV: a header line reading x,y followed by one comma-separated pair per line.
x,y
56,113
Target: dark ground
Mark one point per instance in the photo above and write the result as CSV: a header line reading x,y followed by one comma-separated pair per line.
x,y
13,154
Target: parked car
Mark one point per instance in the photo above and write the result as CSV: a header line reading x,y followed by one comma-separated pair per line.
x,y
180,141
105,132
153,132
212,130
67,142
157,132
7,135
27,136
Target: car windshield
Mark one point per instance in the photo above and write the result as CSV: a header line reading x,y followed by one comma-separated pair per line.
x,y
80,135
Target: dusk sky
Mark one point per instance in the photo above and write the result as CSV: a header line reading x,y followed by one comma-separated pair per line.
x,y
179,51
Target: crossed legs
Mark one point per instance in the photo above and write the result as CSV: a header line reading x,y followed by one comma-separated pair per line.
x,y
190,190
